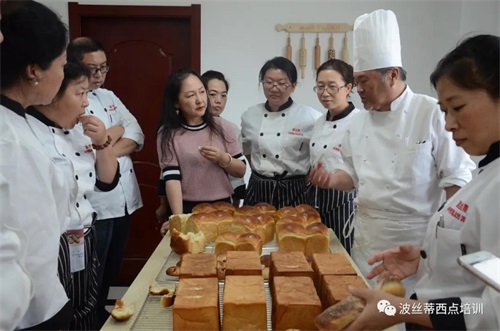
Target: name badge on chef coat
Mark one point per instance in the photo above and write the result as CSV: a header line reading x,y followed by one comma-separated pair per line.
x,y
76,242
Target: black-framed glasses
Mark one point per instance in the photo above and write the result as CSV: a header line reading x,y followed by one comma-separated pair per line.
x,y
332,89
95,70
279,86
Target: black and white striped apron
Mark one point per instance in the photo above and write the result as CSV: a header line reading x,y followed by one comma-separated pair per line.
x,y
336,209
81,287
279,191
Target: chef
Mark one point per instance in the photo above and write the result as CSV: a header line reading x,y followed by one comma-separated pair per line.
x,y
467,83
115,207
397,153
276,138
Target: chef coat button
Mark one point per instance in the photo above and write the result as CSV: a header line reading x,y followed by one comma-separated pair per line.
x,y
77,154
94,93
399,136
261,134
423,254
278,134
265,115
90,174
91,111
366,137
364,161
119,175
283,115
277,156
85,197
66,132
77,205
76,177
264,155
313,144
53,131
105,110
393,161
64,155
325,146
131,171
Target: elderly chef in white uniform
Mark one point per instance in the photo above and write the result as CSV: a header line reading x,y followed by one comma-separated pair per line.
x,y
115,207
397,153
276,138
467,83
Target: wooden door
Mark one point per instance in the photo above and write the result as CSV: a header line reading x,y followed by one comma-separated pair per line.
x,y
144,44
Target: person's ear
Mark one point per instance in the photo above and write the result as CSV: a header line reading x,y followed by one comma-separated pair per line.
x,y
33,73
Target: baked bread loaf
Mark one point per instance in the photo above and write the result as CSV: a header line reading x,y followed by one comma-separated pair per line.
x,y
285,211
249,224
156,289
295,303
167,300
318,239
203,208
211,224
198,266
187,243
243,263
265,208
394,287
294,237
178,222
196,305
290,264
334,288
231,241
226,206
304,207
244,306
246,210
330,264
121,312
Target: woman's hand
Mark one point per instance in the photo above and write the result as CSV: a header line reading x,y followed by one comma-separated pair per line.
x,y
320,177
398,262
164,228
213,154
94,129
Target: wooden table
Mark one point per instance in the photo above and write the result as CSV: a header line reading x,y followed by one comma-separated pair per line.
x,y
137,293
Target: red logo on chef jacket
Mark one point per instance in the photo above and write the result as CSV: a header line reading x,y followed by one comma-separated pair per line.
x,y
88,148
337,148
459,211
112,108
296,132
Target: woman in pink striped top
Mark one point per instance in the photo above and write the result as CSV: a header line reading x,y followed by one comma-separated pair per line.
x,y
196,151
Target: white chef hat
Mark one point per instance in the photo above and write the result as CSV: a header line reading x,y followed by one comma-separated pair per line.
x,y
376,41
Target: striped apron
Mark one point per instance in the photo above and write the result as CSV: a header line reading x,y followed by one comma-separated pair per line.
x,y
336,209
279,191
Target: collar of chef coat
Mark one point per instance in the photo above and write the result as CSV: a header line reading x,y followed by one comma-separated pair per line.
x,y
396,104
42,118
282,107
343,114
12,105
492,155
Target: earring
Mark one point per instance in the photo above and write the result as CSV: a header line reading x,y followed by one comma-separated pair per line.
x,y
177,111
34,82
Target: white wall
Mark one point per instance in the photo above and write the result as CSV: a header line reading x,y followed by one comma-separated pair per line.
x,y
239,36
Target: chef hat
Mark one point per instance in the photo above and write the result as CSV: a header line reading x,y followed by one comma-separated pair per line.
x,y
376,41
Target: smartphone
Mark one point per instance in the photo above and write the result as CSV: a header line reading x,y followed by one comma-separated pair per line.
x,y
483,265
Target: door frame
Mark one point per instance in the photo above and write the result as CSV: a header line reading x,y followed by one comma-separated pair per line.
x,y
77,11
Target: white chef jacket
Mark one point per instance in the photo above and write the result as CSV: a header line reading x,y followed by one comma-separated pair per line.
x,y
326,140
278,141
471,224
111,111
73,153
400,161
34,204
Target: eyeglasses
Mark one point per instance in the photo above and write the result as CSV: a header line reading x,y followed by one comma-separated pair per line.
x,y
329,89
280,86
95,70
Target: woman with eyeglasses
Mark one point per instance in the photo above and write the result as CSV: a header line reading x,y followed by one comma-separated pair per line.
x,y
276,138
334,83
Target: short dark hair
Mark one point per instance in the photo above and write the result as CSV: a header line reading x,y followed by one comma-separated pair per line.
x,y
473,64
281,63
80,46
73,71
402,72
212,74
343,68
33,34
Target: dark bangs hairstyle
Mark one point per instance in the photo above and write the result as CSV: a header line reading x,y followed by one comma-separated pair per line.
x,y
73,71
344,69
472,65
212,74
80,46
171,122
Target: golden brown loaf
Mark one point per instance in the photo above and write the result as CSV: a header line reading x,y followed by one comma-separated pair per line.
x,y
394,287
203,208
285,211
330,264
342,314
244,305
303,207
211,224
199,265
196,305
246,210
334,288
187,243
121,312
249,224
265,208
269,226
294,237
295,303
224,206
243,263
289,264
231,241
178,222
